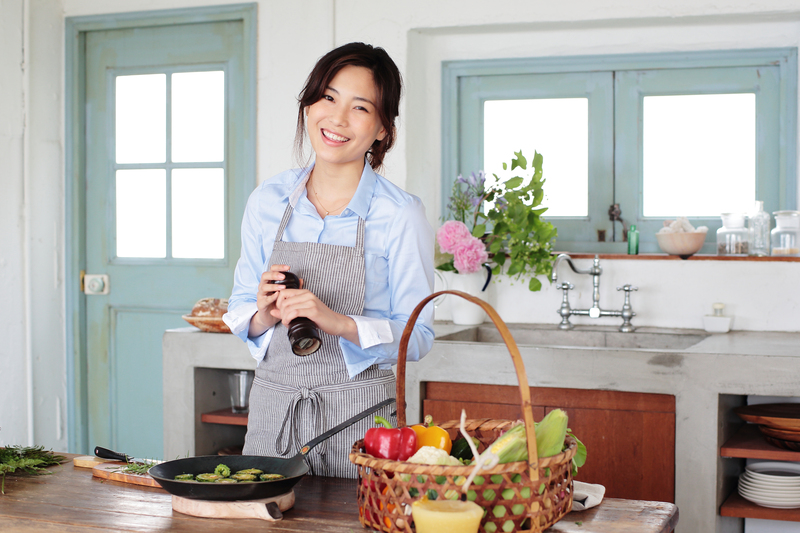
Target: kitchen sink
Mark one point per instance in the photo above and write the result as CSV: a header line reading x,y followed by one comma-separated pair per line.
x,y
590,337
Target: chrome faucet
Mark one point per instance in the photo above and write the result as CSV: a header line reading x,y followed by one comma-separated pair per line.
x,y
595,311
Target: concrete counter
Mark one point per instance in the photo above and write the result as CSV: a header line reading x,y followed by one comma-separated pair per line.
x,y
707,380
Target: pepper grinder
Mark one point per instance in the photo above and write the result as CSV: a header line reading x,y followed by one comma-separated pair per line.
x,y
302,331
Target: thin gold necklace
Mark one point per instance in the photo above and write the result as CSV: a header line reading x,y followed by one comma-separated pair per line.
x,y
327,212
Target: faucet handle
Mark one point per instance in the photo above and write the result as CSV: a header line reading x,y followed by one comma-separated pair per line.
x,y
565,286
628,288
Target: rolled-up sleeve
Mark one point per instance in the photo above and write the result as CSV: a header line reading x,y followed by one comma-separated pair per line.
x,y
242,303
409,252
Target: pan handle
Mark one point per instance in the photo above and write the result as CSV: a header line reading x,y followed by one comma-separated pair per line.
x,y
346,424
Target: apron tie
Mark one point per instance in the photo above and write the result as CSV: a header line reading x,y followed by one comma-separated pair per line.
x,y
290,427
291,419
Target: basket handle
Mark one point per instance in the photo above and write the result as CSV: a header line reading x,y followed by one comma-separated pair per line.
x,y
522,377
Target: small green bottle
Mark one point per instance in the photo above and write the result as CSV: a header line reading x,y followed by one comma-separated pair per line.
x,y
633,241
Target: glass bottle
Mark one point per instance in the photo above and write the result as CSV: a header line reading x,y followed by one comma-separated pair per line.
x,y
633,240
758,231
732,236
786,235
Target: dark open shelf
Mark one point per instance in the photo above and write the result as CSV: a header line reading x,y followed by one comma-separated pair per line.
x,y
225,416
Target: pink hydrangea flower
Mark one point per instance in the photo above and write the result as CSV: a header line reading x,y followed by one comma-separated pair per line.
x,y
470,255
451,234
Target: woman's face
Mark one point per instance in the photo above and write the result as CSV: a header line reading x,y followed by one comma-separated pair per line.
x,y
344,123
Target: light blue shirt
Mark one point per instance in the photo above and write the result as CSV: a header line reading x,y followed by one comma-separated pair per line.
x,y
399,249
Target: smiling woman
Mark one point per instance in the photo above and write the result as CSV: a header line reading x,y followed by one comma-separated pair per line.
x,y
363,250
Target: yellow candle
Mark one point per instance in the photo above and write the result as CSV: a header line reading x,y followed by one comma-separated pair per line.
x,y
446,516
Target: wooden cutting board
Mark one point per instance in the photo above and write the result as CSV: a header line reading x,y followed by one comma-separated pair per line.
x,y
89,461
238,509
784,416
113,472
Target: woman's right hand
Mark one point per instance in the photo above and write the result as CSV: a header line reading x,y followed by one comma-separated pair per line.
x,y
266,296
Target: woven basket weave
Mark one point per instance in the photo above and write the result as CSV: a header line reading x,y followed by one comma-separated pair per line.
x,y
520,496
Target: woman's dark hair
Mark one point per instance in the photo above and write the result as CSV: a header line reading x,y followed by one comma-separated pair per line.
x,y
388,85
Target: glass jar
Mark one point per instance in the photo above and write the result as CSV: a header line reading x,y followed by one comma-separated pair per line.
x,y
786,235
758,231
732,236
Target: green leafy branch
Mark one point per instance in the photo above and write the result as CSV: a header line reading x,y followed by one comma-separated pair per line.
x,y
31,460
520,239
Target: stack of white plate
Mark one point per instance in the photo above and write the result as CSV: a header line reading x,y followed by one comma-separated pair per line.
x,y
771,484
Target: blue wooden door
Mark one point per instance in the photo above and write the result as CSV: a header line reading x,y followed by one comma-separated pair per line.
x,y
166,185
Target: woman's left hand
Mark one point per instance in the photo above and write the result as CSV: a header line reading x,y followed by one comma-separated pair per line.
x,y
293,303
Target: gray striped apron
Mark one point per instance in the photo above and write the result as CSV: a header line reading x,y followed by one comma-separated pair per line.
x,y
293,398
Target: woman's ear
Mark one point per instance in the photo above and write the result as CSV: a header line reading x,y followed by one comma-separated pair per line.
x,y
381,135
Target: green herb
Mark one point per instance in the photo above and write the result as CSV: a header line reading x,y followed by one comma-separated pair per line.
x,y
29,459
139,469
578,523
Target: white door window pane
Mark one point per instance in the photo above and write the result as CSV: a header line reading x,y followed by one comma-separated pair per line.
x,y
141,118
198,116
699,154
557,128
198,213
141,213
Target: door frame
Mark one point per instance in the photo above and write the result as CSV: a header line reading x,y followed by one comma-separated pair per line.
x,y
75,170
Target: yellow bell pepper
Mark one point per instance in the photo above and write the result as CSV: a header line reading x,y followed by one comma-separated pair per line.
x,y
430,435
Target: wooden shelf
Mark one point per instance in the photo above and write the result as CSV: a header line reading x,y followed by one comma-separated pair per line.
x,y
738,507
749,443
226,416
695,257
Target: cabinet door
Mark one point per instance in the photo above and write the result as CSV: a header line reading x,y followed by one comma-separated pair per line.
x,y
630,437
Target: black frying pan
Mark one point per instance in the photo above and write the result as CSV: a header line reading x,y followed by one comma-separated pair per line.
x,y
294,468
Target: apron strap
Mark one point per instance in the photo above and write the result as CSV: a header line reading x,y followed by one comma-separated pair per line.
x,y
287,214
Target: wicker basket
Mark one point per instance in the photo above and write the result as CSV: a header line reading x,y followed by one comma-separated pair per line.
x,y
530,496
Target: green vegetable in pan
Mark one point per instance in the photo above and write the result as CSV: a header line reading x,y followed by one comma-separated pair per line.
x,y
222,474
222,470
207,478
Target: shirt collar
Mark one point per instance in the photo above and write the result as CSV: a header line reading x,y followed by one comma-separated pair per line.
x,y
359,204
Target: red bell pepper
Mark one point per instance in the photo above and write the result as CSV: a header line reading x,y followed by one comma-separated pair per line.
x,y
395,444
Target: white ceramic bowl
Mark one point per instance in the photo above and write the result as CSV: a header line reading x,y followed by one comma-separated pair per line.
x,y
681,244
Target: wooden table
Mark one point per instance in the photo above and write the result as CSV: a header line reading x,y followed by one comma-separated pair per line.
x,y
71,500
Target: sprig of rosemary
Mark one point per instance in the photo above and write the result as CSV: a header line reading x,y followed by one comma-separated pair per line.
x,y
29,459
139,469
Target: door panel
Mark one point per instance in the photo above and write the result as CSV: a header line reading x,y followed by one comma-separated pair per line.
x,y
150,286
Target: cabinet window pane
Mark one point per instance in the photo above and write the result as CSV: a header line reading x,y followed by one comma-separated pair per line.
x,y
198,116
141,118
141,213
198,213
699,154
557,128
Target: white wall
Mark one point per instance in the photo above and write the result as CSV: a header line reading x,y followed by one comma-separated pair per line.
x,y
14,374
291,36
